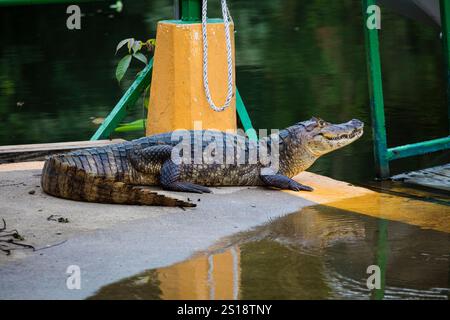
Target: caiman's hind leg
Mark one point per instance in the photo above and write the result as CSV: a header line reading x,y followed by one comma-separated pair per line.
x,y
170,173
149,160
283,182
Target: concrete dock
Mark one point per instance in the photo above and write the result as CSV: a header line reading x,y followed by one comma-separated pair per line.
x,y
110,242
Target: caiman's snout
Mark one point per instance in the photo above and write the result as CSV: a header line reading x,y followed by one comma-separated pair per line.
x,y
356,127
357,124
353,129
343,132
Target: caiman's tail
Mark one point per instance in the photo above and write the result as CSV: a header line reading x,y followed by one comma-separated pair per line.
x,y
62,180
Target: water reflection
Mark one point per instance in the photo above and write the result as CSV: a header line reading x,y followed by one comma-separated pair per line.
x,y
318,253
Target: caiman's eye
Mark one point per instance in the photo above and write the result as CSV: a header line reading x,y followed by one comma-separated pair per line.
x,y
311,126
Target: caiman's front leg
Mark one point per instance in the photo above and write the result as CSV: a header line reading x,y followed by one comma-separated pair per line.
x,y
283,182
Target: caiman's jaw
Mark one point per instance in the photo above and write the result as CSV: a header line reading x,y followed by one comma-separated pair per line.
x,y
344,136
323,137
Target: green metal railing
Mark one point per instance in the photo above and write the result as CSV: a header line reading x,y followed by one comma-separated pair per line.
x,y
383,155
188,10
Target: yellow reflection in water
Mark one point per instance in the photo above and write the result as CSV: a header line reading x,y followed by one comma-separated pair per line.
x,y
344,196
204,277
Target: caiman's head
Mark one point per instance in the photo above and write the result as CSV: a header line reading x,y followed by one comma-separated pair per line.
x,y
320,137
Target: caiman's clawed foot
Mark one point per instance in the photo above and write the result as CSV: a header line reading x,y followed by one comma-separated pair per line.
x,y
186,187
295,186
283,182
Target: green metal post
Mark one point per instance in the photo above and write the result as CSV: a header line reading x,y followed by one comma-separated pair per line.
x,y
191,10
376,95
445,22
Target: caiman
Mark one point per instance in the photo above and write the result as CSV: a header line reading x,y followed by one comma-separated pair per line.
x,y
121,173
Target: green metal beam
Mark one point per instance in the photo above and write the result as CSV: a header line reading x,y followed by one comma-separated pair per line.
x,y
376,95
129,99
244,117
445,22
419,148
191,10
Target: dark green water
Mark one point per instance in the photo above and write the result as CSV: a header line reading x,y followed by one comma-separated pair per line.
x,y
317,253
295,59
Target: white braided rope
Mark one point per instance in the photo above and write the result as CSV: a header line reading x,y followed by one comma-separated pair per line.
x,y
226,21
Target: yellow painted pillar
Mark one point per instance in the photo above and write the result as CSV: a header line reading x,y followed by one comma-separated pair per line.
x,y
177,97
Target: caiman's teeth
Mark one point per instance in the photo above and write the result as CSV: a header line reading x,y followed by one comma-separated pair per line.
x,y
345,136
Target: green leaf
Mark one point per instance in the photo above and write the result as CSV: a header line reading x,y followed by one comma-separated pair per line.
x,y
133,123
122,67
137,45
141,57
131,126
130,44
122,43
